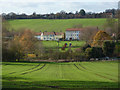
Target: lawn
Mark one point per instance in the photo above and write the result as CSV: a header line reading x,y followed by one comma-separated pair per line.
x,y
53,24
54,44
98,74
61,43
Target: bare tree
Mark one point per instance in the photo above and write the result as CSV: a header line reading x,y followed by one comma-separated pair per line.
x,y
111,27
88,33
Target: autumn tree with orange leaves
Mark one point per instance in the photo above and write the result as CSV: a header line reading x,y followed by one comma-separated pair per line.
x,y
99,38
27,41
23,43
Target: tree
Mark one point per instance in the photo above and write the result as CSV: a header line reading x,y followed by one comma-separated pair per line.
x,y
110,23
108,48
88,33
85,47
99,38
34,13
118,34
27,41
22,44
6,53
88,53
82,12
16,49
111,27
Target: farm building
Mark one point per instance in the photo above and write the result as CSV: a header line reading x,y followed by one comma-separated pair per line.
x,y
73,33
49,35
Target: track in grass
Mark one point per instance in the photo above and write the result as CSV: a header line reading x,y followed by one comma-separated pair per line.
x,y
27,69
84,69
58,75
77,67
33,70
33,67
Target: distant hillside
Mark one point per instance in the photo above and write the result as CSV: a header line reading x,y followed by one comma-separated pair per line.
x,y
54,24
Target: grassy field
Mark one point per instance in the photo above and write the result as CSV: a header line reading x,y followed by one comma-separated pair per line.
x,y
54,24
99,74
61,43
54,44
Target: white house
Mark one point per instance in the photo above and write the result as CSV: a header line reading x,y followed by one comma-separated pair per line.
x,y
73,33
49,35
38,35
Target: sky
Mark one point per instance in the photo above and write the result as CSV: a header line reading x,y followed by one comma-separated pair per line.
x,y
54,6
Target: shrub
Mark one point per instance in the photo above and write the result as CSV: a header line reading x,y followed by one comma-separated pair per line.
x,y
77,56
85,47
94,52
108,48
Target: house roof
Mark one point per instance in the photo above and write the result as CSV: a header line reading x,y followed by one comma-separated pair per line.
x,y
59,33
39,33
48,33
74,29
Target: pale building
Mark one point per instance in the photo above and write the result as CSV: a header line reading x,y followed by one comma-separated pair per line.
x,y
49,35
38,35
59,35
72,33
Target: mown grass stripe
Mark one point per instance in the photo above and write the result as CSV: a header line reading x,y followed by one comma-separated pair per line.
x,y
91,71
33,70
77,67
27,69
33,67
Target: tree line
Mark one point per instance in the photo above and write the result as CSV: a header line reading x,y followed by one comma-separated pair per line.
x,y
63,15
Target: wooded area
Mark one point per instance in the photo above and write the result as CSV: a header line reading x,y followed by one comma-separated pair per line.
x,y
63,15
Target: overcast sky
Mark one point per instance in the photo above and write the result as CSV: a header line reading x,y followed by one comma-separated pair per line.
x,y
54,6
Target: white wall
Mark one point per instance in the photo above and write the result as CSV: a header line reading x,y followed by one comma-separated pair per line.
x,y
72,34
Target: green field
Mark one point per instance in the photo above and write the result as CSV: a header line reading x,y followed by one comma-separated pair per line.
x,y
99,74
61,43
54,24
54,44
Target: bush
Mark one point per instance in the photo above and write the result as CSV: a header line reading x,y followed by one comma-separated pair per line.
x,y
117,50
77,56
108,48
94,52
85,47
60,55
45,56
